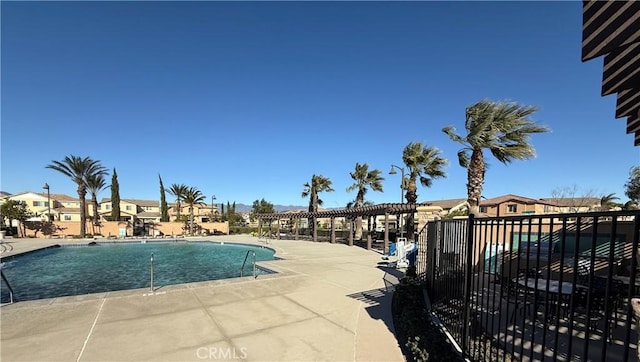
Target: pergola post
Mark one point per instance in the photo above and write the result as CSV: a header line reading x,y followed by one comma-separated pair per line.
x,y
278,229
386,233
349,215
333,230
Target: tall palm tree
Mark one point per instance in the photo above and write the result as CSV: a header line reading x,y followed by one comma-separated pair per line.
x,y
77,169
501,127
607,202
95,183
364,179
191,197
318,184
179,191
423,162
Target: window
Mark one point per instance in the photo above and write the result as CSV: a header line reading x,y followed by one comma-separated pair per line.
x,y
38,203
107,206
67,218
128,208
512,208
483,209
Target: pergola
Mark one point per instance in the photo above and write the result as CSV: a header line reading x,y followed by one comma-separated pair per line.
x,y
612,29
397,209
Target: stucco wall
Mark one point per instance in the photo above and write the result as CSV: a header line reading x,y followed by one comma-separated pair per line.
x,y
112,228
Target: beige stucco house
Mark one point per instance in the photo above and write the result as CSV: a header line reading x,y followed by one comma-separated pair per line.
x,y
512,205
63,207
202,213
132,210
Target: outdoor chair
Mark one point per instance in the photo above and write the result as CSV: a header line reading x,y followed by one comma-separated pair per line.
x,y
592,309
520,297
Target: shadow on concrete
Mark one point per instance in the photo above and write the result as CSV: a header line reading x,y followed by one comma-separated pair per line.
x,y
378,304
391,276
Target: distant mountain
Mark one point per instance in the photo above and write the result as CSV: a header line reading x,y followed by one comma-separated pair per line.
x,y
240,208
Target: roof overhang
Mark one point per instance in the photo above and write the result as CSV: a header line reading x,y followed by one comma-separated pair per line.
x,y
612,29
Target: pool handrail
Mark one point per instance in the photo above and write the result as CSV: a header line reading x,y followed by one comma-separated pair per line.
x,y
8,286
245,261
151,271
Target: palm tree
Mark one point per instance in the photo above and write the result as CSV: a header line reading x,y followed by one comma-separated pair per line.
x,y
95,183
630,205
191,197
77,169
423,162
179,191
501,127
318,184
363,180
607,202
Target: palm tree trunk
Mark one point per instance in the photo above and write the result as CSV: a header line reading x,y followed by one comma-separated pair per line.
x,y
475,179
178,210
82,192
314,208
412,196
359,203
191,220
96,216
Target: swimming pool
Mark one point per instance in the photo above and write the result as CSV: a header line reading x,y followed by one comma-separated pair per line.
x,y
104,267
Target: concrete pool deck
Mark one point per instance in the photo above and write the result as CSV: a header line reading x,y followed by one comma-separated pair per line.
x,y
328,302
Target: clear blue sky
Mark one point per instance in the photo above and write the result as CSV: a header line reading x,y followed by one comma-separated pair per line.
x,y
247,100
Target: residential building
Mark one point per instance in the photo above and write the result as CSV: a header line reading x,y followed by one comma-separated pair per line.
x,y
63,207
449,205
575,204
511,205
201,212
132,210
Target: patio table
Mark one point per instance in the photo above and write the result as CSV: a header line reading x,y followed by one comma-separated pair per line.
x,y
540,285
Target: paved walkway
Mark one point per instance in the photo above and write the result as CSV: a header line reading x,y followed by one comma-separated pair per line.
x,y
328,302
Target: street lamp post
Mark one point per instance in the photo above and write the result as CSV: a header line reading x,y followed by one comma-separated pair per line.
x,y
393,172
213,197
46,187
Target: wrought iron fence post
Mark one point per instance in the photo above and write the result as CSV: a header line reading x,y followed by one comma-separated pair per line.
x,y
466,313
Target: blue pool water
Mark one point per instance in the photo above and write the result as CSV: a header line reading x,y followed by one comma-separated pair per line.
x,y
75,270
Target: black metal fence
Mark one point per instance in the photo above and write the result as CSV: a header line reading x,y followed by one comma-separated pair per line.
x,y
536,287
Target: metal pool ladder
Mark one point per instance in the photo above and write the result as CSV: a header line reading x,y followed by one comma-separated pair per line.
x,y
245,261
9,286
